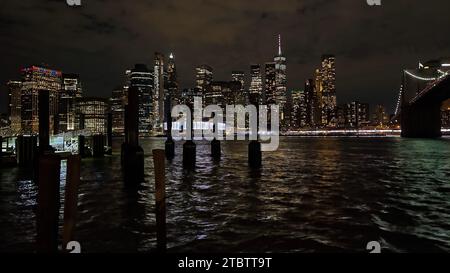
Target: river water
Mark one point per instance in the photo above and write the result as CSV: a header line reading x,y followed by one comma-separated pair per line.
x,y
312,195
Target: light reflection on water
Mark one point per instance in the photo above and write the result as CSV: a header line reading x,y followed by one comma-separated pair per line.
x,y
312,195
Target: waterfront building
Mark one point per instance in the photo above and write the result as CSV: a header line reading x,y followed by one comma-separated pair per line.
x,y
256,85
14,105
71,89
91,114
35,79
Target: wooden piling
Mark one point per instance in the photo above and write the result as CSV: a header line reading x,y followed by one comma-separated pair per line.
x,y
48,203
254,154
44,121
71,197
109,133
170,148
81,145
160,199
189,155
216,151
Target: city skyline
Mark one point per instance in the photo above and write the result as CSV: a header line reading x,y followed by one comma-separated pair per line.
x,y
382,41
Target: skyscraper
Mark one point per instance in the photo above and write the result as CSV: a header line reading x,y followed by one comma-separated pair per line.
x,y
242,96
329,101
270,88
172,81
158,92
204,77
356,114
256,85
142,79
309,102
71,89
93,110
317,99
117,102
35,79
15,105
299,110
281,81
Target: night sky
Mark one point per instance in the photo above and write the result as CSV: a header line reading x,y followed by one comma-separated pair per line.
x,y
103,38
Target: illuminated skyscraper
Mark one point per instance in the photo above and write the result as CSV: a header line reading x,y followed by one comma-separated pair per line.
x,y
71,89
270,84
158,93
34,79
256,85
204,77
317,99
142,78
329,101
299,110
223,93
380,117
280,81
15,105
172,81
309,102
242,96
356,114
117,102
93,112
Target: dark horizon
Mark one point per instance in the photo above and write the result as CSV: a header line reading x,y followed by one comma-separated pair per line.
x,y
100,40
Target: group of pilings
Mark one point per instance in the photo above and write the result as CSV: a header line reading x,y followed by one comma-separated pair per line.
x,y
46,168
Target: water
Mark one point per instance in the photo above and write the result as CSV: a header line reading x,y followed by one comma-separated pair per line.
x,y
312,195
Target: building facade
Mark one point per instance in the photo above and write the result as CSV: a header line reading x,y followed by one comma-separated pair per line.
x,y
242,97
141,78
256,85
281,84
117,104
92,114
329,100
14,105
71,89
35,79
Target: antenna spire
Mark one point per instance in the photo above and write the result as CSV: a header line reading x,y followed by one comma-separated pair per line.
x,y
279,45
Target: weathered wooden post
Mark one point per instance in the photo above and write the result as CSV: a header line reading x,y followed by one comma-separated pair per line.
x,y
254,147
216,151
160,199
170,144
254,154
109,132
48,203
189,147
44,121
26,150
71,197
98,145
81,145
132,153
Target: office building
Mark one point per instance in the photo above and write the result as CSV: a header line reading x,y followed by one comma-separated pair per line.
x,y
91,114
35,79
242,96
117,103
71,89
14,105
328,80
256,85
141,78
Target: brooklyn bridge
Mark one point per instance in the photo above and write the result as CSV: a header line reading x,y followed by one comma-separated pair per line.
x,y
422,94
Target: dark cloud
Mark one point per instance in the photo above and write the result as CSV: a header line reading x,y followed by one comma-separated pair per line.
x,y
103,38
